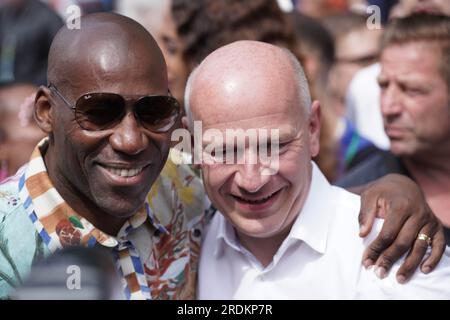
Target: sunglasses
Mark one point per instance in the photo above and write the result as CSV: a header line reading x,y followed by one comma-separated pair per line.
x,y
100,110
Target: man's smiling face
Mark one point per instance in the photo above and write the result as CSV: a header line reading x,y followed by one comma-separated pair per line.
x,y
257,97
111,170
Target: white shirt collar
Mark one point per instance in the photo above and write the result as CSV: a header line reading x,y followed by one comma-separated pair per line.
x,y
225,236
311,225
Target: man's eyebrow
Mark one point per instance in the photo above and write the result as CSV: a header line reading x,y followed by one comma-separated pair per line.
x,y
411,81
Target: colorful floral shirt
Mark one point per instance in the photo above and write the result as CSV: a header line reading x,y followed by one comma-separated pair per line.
x,y
165,235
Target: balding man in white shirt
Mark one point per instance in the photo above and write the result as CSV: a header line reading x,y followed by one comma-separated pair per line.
x,y
284,232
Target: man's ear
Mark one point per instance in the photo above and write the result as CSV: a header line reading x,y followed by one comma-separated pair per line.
x,y
315,117
43,112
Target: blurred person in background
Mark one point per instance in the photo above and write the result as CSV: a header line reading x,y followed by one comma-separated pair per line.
x,y
415,105
27,28
341,146
206,25
316,47
156,17
356,46
19,131
363,95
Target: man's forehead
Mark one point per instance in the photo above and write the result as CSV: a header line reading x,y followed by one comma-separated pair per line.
x,y
109,55
273,120
412,50
248,109
280,127
108,72
240,97
108,48
411,60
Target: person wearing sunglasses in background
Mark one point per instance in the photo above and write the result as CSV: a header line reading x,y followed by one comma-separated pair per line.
x,y
109,115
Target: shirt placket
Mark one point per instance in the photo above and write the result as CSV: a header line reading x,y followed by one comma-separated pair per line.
x,y
130,267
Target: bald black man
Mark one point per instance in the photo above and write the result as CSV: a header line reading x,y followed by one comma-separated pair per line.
x,y
108,115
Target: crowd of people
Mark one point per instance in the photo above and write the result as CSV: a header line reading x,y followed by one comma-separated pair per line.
x,y
361,102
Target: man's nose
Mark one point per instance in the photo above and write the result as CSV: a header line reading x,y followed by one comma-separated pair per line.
x,y
128,136
250,177
391,102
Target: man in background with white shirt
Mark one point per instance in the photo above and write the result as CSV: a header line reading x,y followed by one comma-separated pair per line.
x,y
287,235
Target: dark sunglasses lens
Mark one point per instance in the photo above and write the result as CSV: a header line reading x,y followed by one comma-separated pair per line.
x,y
158,113
99,111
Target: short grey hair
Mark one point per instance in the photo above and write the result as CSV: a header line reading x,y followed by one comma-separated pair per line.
x,y
302,85
302,81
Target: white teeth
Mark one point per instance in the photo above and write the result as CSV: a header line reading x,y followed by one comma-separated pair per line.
x,y
127,173
258,200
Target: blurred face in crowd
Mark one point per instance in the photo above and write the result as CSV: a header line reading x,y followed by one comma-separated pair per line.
x,y
245,92
354,50
110,170
415,101
159,22
359,46
19,134
338,81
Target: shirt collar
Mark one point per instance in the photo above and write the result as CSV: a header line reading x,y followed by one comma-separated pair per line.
x,y
57,223
311,225
225,236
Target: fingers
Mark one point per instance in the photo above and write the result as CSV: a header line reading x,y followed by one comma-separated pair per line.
x,y
401,246
407,214
388,234
416,255
437,249
367,214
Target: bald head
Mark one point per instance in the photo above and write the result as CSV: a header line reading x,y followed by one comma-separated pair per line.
x,y
106,45
252,71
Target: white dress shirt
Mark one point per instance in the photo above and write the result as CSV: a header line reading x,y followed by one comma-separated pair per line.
x,y
320,258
